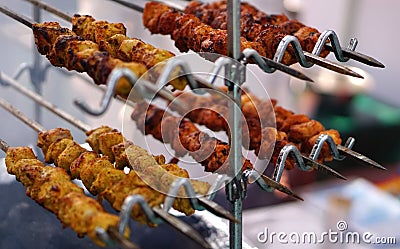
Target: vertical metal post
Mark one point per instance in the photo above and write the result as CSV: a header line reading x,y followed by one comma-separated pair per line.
x,y
36,69
234,29
233,189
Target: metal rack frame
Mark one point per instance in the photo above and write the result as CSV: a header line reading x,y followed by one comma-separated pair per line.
x,y
235,77
233,187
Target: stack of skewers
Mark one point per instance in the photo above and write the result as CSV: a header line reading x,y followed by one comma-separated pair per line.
x,y
98,48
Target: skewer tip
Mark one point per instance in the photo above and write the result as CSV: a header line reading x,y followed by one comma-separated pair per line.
x,y
353,73
121,240
365,59
321,167
217,209
359,157
280,187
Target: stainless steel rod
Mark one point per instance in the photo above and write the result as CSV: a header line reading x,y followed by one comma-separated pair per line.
x,y
21,116
51,9
39,99
20,18
234,119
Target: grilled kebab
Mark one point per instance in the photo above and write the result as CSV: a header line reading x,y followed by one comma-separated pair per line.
x,y
111,37
101,178
184,137
257,25
269,126
52,188
64,48
190,32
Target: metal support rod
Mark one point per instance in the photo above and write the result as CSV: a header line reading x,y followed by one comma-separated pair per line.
x,y
36,69
234,189
21,116
48,105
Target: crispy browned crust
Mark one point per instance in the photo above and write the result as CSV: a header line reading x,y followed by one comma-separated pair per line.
x,y
52,188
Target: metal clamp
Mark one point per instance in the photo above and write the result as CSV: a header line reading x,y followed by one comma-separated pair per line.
x,y
173,192
145,88
236,189
317,148
170,68
126,210
113,79
330,35
282,47
249,53
283,155
238,69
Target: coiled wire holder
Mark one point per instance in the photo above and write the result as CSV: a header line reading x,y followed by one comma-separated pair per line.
x,y
327,35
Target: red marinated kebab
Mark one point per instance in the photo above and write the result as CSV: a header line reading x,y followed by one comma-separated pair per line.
x,y
190,32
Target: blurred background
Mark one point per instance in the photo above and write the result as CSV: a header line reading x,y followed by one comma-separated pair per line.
x,y
367,110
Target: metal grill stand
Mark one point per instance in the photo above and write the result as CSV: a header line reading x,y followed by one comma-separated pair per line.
x,y
234,78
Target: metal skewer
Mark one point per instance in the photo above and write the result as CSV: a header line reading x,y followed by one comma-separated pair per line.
x,y
321,167
121,240
20,18
368,60
171,220
8,81
51,9
271,63
331,65
359,157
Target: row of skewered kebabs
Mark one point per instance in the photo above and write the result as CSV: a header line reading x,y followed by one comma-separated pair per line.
x,y
108,176
84,50
258,26
267,126
99,175
95,53
203,28
73,52
186,138
52,188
